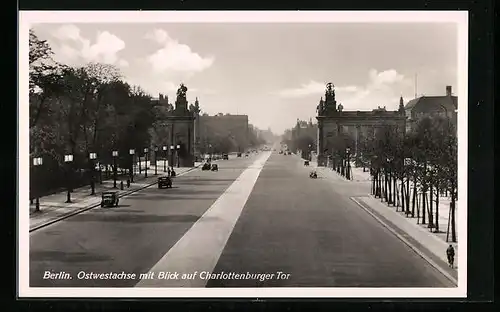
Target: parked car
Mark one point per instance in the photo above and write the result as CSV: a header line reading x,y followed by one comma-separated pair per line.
x,y
306,162
206,166
238,155
215,167
109,199
164,182
225,156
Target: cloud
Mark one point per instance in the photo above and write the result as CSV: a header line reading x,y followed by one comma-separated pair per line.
x,y
383,89
76,49
174,56
312,88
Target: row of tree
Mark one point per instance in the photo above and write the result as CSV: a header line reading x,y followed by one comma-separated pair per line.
x,y
87,109
409,170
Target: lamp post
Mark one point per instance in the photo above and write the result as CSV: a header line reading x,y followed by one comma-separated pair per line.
x,y
131,152
115,155
348,173
156,160
172,148
178,158
164,158
310,151
38,161
146,162
68,159
92,157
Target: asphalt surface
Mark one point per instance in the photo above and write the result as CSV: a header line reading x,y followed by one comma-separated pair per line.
x,y
316,236
308,229
129,238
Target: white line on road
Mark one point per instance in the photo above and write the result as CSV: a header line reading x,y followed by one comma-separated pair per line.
x,y
404,240
200,248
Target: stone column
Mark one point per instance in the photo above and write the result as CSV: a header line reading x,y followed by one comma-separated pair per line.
x,y
320,145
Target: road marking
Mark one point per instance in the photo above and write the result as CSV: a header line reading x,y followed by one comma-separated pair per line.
x,y
404,240
200,248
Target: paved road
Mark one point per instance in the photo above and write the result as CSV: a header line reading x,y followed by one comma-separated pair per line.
x,y
311,230
308,229
131,237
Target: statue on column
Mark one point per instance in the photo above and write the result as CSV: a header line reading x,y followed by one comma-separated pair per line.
x,y
321,107
181,101
330,105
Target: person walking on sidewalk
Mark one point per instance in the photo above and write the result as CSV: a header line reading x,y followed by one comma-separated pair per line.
x,y
450,253
168,172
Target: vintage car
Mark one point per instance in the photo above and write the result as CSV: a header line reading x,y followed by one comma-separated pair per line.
x,y
164,182
238,155
109,199
206,166
214,167
225,156
306,162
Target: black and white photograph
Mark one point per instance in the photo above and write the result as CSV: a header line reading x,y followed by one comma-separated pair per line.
x,y
243,154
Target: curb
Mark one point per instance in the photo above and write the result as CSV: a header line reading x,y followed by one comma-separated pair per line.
x,y
408,243
70,214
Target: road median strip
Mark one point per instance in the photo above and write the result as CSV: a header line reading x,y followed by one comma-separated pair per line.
x,y
91,206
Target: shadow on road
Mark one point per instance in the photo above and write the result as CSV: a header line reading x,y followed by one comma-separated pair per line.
x,y
67,257
135,218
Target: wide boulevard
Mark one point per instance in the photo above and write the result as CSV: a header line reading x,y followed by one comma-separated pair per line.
x,y
257,215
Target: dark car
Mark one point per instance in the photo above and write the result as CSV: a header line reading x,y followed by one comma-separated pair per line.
x,y
238,155
306,162
109,199
206,166
225,156
164,182
215,167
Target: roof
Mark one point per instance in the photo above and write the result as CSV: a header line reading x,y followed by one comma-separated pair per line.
x,y
431,101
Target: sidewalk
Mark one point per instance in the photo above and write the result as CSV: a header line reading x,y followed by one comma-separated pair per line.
x,y
54,207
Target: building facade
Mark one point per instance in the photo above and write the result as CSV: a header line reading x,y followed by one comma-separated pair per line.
x,y
337,127
428,106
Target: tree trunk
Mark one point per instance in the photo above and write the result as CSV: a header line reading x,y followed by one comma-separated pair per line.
x,y
403,206
453,229
389,188
437,208
394,187
424,206
431,211
414,198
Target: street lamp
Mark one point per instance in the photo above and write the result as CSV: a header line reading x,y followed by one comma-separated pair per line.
x,y
68,159
92,157
178,158
164,158
146,167
131,152
38,161
348,174
156,160
172,149
310,151
115,155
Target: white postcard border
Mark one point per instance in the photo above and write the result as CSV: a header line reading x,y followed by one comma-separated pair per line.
x,y
27,18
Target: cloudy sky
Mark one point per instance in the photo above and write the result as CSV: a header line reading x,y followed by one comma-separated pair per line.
x,y
274,73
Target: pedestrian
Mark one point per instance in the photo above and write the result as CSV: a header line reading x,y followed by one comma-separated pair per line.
x,y
450,253
168,171
172,172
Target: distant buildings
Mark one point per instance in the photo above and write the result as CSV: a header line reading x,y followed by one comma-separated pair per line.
x,y
418,108
234,127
